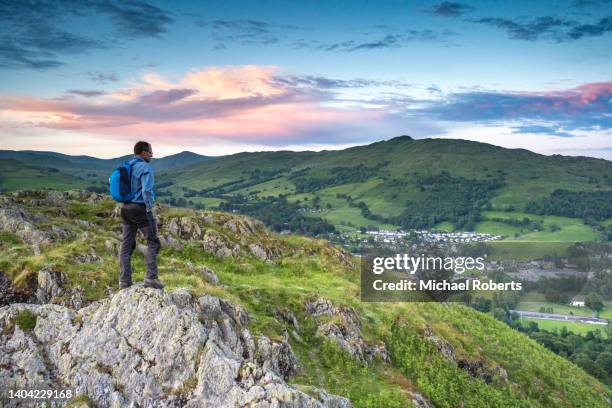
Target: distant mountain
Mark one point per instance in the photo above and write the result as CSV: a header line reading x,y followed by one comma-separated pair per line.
x,y
66,162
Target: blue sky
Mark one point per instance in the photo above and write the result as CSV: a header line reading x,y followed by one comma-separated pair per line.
x,y
217,78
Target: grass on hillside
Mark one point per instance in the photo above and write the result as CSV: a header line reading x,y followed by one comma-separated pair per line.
x,y
309,268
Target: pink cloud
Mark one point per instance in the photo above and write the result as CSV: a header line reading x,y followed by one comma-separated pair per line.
x,y
241,103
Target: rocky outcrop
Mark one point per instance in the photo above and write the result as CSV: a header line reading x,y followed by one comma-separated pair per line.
x,y
145,347
57,198
343,325
183,227
223,235
52,287
475,367
264,253
219,245
17,221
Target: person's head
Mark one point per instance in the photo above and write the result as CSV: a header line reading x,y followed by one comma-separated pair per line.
x,y
144,150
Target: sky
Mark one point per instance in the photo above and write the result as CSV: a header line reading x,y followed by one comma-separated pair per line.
x,y
93,77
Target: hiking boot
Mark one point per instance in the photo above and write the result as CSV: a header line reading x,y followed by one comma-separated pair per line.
x,y
153,283
123,285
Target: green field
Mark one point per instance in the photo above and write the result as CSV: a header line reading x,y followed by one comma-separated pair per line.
x,y
533,301
576,328
555,228
523,250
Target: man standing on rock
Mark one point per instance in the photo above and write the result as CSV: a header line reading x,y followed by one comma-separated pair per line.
x,y
138,215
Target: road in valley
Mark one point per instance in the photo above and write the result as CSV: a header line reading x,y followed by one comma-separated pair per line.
x,y
561,317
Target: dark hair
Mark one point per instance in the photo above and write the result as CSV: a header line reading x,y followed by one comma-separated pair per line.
x,y
142,147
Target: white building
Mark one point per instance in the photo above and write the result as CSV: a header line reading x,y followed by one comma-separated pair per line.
x,y
577,302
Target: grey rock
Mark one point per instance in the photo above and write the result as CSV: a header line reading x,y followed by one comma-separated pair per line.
x,y
344,329
60,233
88,257
50,285
474,367
333,401
276,356
420,401
286,316
209,275
85,223
443,346
145,347
219,245
52,288
183,227
17,221
171,242
258,251
112,246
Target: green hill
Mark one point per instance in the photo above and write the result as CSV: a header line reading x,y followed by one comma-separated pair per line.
x,y
303,290
399,183
407,183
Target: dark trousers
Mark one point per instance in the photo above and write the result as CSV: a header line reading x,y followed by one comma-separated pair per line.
x,y
135,217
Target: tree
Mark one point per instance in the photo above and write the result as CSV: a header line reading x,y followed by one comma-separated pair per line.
x,y
594,301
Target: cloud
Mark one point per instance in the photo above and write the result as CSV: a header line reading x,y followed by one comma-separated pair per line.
x,y
547,27
260,105
136,18
102,78
35,35
543,130
322,82
245,103
247,31
391,40
599,28
530,30
86,93
450,9
584,107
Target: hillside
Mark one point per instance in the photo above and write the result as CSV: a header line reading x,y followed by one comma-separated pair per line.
x,y
248,316
429,183
443,184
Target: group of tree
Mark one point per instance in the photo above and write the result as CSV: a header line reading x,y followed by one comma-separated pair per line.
x,y
309,180
596,205
455,199
277,213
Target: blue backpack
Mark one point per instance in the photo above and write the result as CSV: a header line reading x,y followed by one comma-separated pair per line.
x,y
120,182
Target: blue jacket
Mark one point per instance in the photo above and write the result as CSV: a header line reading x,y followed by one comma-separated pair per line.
x,y
142,182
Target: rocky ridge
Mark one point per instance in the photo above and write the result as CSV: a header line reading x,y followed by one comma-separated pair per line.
x,y
150,348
